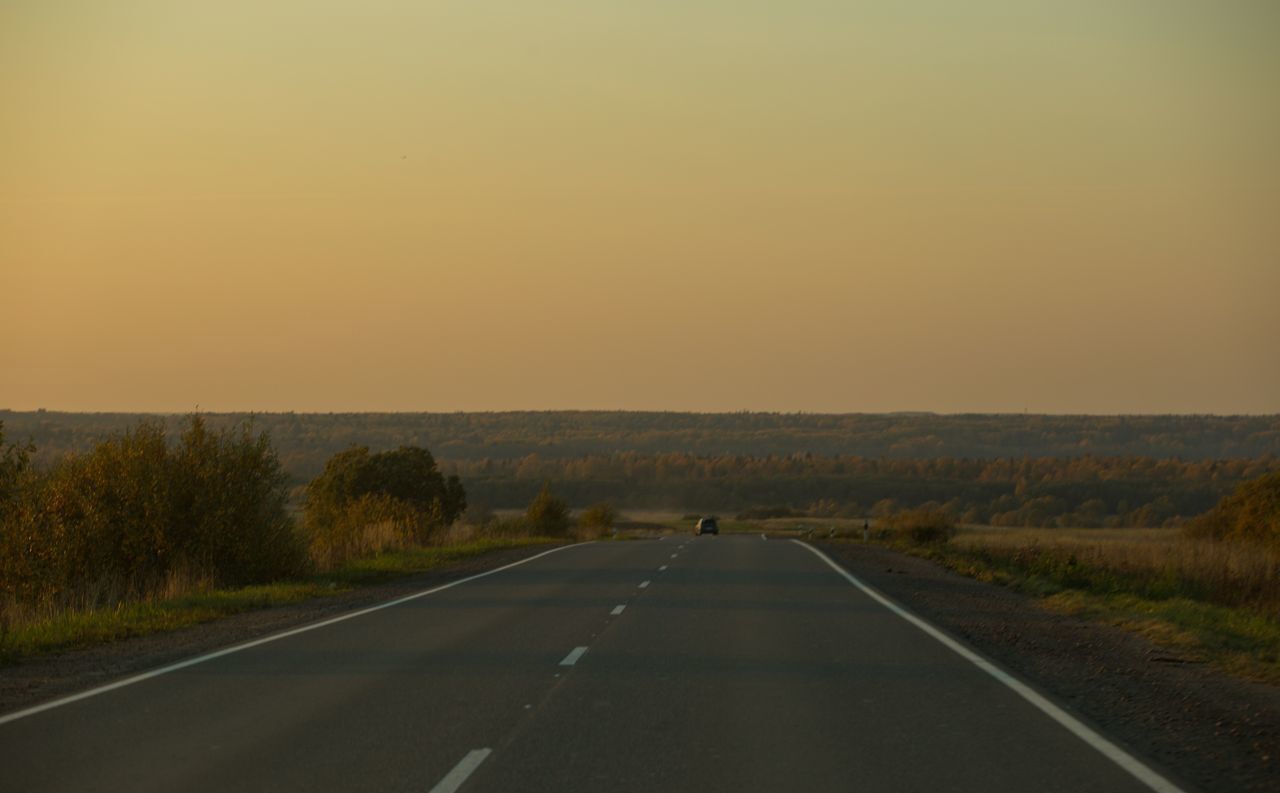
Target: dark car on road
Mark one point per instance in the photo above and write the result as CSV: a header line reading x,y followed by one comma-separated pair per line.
x,y
707,526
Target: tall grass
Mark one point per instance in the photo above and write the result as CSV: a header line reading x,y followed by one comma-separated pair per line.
x,y
1151,563
1209,600
30,630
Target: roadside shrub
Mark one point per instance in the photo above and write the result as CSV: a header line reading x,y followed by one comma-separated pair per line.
x,y
548,515
133,516
369,525
13,463
366,503
596,520
921,526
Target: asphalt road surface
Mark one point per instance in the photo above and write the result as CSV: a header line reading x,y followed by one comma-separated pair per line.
x,y
686,664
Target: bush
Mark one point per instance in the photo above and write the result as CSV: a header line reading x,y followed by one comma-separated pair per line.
x,y
132,516
13,463
366,503
548,515
597,520
922,526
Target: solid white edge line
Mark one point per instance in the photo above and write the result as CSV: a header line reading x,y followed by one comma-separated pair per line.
x,y
1114,753
465,767
573,656
164,670
763,537
617,610
644,584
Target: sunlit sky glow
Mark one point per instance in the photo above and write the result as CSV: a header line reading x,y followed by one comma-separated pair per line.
x,y
696,205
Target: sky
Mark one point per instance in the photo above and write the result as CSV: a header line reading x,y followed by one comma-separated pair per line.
x,y
812,205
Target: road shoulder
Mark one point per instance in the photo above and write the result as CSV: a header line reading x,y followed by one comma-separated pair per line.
x,y
1219,733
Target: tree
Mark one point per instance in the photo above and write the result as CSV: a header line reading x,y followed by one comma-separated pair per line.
x,y
407,475
547,514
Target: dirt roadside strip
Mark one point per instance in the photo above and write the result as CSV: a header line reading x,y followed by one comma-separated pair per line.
x,y
1214,731
47,677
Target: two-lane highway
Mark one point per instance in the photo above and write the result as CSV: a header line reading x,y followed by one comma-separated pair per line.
x,y
711,663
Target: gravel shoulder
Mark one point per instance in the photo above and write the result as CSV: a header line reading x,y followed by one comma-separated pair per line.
x,y
47,677
1210,731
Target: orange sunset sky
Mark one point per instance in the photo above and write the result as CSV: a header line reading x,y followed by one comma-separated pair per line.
x,y
698,205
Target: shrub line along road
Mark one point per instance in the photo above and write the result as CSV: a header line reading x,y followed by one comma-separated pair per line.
x,y
743,665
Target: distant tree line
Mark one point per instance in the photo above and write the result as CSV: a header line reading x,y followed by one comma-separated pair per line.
x,y
1031,492
305,441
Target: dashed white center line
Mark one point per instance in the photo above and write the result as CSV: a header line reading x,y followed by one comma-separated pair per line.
x,y
465,767
660,569
644,584
573,656
674,555
617,610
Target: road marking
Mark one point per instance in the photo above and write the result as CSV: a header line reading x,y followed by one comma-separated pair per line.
x,y
660,569
573,656
644,584
617,610
763,537
164,670
1115,754
465,767
674,555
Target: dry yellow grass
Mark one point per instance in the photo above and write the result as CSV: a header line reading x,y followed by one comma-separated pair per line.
x,y
1163,560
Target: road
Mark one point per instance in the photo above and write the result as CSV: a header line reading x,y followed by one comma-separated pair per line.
x,y
686,664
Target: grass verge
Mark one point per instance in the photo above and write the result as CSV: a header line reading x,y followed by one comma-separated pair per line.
x,y
68,630
1243,640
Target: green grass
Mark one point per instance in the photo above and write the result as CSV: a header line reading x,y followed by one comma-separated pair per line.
x,y
1242,642
66,630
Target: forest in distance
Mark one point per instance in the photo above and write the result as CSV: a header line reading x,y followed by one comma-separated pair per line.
x,y
1011,470
305,441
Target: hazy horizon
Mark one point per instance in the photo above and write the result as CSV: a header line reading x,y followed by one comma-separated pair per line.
x,y
1000,207
794,413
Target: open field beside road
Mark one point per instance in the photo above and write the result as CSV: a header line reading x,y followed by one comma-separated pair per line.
x,y
682,663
